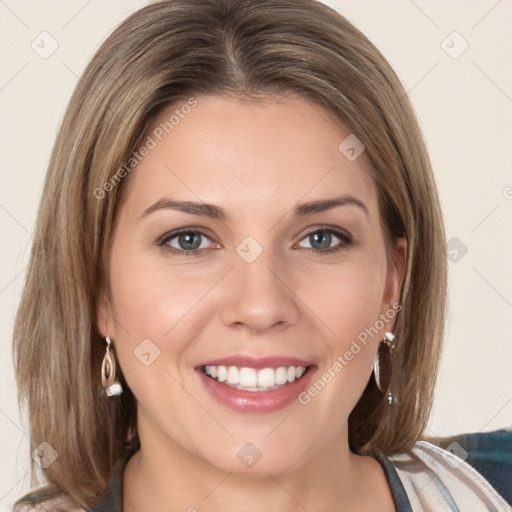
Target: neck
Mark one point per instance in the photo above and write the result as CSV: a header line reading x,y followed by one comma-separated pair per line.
x,y
162,475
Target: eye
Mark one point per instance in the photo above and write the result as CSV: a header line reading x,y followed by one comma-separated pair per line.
x,y
191,242
321,239
184,243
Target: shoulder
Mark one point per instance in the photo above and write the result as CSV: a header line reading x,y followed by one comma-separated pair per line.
x,y
435,478
43,500
490,453
40,502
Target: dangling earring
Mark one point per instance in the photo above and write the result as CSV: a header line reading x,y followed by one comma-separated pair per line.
x,y
108,372
382,366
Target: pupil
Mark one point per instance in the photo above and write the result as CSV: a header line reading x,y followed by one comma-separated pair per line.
x,y
187,241
322,235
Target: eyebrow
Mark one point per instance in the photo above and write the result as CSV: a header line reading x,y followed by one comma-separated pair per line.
x,y
216,212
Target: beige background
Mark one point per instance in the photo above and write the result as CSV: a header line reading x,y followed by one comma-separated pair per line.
x,y
464,105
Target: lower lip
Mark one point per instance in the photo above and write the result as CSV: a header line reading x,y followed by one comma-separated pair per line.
x,y
257,401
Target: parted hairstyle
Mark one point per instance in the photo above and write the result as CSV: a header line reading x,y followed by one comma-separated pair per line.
x,y
165,52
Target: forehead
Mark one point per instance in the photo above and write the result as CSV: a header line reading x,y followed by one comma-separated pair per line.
x,y
257,155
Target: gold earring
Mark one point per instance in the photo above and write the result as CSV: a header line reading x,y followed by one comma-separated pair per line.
x,y
382,366
108,372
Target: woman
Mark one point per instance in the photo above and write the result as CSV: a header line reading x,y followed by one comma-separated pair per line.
x,y
237,286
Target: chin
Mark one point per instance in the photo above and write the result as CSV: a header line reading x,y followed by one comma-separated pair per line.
x,y
255,459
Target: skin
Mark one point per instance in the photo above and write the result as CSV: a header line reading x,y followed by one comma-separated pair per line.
x,y
256,160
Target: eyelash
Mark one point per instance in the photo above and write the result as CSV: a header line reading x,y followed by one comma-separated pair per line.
x,y
343,236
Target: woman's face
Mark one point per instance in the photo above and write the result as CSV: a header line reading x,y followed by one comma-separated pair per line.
x,y
228,258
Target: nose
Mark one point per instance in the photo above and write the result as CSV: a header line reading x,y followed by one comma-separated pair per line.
x,y
259,296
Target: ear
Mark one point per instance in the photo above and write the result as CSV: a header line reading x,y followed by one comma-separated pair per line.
x,y
394,280
104,316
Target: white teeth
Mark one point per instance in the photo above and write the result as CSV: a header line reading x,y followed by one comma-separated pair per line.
x,y
233,375
281,375
250,379
266,378
222,373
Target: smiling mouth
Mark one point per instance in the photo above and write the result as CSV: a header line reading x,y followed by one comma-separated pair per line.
x,y
256,380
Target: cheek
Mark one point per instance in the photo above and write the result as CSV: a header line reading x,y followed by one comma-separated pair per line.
x,y
349,308
348,300
151,298
151,303
151,309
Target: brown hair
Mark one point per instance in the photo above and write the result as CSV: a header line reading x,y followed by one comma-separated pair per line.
x,y
164,52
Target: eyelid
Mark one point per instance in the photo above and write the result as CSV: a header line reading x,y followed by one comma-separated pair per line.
x,y
328,227
188,229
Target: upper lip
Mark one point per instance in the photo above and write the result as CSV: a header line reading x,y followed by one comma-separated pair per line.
x,y
247,361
